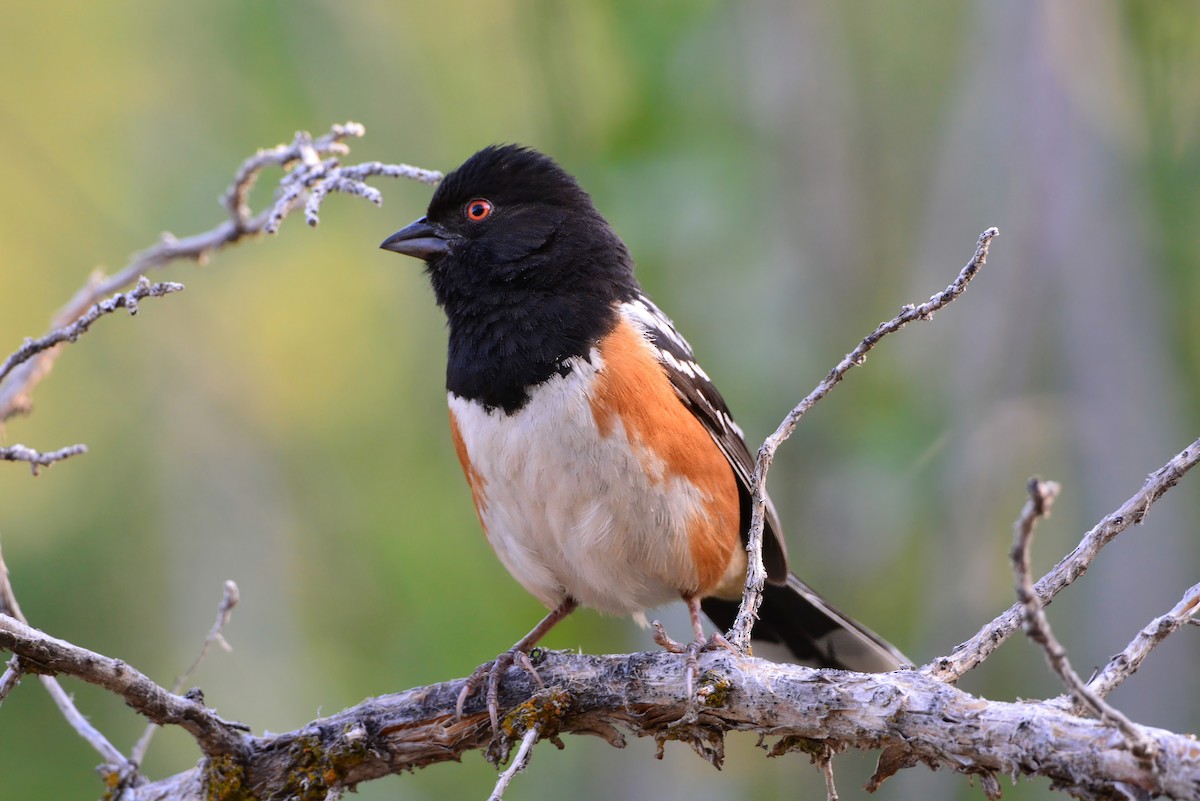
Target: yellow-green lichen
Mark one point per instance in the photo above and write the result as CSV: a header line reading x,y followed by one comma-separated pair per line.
x,y
544,710
315,768
224,779
714,690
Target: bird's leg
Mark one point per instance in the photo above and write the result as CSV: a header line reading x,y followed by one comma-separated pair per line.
x,y
518,654
692,649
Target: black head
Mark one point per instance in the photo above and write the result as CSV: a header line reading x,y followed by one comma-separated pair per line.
x,y
500,214
526,269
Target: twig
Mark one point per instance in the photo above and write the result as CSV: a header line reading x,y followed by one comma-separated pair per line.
x,y
1126,663
975,650
518,764
70,333
114,758
229,600
302,148
9,606
11,678
756,575
1037,625
37,459
50,655
304,153
352,180
825,763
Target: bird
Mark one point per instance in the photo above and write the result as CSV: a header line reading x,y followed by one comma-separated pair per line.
x,y
605,468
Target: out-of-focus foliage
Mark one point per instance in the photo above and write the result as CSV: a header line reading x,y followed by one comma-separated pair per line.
x,y
786,174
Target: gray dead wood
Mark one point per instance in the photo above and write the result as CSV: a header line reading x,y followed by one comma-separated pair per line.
x,y
912,717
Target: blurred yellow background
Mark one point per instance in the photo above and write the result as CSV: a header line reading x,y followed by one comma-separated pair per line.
x,y
786,174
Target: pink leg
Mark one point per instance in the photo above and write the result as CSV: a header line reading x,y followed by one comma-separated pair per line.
x,y
699,643
693,605
519,653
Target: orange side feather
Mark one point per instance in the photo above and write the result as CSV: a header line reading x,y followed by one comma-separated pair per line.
x,y
633,388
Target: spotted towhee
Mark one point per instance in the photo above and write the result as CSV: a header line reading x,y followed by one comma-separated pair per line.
x,y
605,467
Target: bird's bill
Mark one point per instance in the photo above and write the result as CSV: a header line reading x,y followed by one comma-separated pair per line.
x,y
419,239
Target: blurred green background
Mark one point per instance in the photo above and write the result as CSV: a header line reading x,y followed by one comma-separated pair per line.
x,y
787,175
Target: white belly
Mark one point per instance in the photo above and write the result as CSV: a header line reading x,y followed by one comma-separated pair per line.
x,y
570,512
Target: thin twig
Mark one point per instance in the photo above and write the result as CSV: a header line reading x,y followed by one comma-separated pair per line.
x,y
975,650
352,180
11,678
9,606
70,333
518,764
1126,663
756,575
825,763
229,600
114,758
1037,625
37,459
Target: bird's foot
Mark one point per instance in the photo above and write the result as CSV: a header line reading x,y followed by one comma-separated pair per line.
x,y
691,650
488,675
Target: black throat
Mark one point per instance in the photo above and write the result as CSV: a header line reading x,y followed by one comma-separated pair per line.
x,y
513,329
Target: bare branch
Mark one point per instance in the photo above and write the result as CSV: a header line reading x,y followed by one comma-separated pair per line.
x,y
825,763
1037,625
45,654
70,333
1126,663
229,600
756,575
352,180
302,148
9,606
518,764
11,678
914,717
113,758
975,650
304,155
37,459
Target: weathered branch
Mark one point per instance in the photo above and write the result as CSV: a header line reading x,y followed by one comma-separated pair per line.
x,y
41,653
50,342
756,575
975,650
70,333
38,459
1037,625
913,717
1126,663
113,758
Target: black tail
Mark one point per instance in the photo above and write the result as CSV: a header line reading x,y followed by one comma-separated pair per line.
x,y
817,634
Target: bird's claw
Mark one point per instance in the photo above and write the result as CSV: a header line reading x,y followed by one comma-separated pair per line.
x,y
491,673
691,650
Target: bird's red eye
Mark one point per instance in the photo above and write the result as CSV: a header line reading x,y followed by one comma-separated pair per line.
x,y
479,209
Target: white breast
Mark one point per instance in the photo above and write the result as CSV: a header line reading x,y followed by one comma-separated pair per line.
x,y
570,512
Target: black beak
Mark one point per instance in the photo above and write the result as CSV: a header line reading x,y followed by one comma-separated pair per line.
x,y
420,240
